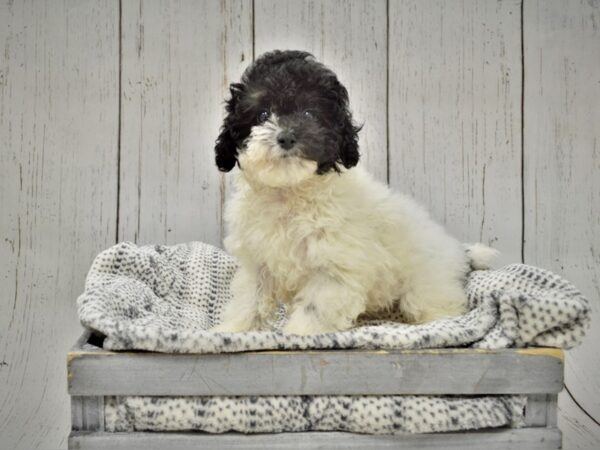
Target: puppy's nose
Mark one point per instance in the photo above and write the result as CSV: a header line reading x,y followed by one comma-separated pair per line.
x,y
286,139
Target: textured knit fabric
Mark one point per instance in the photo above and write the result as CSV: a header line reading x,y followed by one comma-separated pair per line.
x,y
358,414
166,299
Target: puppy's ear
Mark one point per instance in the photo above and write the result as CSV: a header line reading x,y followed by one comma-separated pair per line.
x,y
226,144
349,146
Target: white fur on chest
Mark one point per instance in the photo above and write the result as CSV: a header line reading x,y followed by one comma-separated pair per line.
x,y
349,229
279,233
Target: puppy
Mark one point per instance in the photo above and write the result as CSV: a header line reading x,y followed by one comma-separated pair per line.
x,y
311,230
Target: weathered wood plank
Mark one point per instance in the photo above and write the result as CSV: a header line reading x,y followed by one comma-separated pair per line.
x,y
178,60
579,430
77,413
350,37
551,410
531,371
504,439
87,413
536,410
562,176
455,115
59,70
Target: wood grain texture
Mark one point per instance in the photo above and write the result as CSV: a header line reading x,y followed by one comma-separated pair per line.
x,y
455,131
59,68
535,410
579,430
541,410
562,175
356,372
87,413
527,438
350,37
178,58
454,114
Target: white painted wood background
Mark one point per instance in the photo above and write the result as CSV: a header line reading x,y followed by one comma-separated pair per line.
x,y
486,111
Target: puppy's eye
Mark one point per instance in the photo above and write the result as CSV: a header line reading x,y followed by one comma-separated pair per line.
x,y
263,115
308,114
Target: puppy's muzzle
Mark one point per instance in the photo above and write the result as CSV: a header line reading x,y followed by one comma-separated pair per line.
x,y
286,139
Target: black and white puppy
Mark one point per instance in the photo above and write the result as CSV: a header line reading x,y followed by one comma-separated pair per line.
x,y
310,229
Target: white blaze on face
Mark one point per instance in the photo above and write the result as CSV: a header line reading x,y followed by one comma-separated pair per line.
x,y
264,162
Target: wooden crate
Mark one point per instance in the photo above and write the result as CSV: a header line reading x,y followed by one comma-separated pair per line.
x,y
94,373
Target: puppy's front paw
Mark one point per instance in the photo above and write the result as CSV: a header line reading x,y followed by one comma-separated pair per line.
x,y
234,326
304,323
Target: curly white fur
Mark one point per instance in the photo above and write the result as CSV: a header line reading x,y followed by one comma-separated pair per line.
x,y
334,246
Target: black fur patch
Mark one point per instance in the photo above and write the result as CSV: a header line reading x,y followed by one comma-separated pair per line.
x,y
288,84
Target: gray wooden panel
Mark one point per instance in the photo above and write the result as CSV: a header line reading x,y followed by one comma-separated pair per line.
x,y
87,413
562,177
59,68
579,430
505,439
455,115
350,37
551,410
529,371
178,60
537,410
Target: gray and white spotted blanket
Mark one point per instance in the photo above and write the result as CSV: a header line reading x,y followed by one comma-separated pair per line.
x,y
166,299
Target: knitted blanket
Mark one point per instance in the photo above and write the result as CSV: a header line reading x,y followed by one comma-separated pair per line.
x,y
166,299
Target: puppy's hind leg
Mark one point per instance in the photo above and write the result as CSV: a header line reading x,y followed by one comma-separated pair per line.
x,y
428,299
241,313
324,305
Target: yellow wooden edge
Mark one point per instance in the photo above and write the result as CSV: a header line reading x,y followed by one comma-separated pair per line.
x,y
543,351
79,354
532,351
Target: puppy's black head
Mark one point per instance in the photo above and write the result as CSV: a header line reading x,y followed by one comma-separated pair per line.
x,y
289,105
